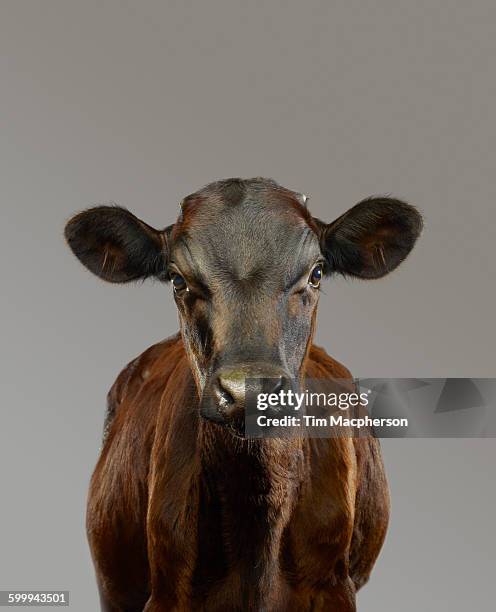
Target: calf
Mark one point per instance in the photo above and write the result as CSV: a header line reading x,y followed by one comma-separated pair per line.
x,y
184,514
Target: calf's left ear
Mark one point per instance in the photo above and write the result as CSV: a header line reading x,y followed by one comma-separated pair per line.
x,y
117,246
372,238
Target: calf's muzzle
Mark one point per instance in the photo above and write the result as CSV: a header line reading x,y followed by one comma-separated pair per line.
x,y
226,395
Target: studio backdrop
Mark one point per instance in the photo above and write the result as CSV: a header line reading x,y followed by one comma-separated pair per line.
x,y
140,104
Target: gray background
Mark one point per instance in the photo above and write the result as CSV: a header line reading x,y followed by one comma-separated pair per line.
x,y
143,102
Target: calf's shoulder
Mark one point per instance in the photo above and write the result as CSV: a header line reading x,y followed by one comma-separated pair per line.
x,y
321,365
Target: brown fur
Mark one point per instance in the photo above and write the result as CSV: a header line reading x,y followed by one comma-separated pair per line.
x,y
183,516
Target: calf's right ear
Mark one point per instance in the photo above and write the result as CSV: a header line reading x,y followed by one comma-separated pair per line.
x,y
117,246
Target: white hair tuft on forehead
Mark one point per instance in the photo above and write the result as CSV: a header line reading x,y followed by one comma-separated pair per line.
x,y
303,198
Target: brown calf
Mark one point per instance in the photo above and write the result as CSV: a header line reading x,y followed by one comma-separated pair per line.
x,y
184,514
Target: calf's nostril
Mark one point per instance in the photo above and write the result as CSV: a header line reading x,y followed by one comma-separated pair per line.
x,y
230,391
224,399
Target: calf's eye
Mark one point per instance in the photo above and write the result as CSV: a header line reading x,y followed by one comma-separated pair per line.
x,y
178,283
315,276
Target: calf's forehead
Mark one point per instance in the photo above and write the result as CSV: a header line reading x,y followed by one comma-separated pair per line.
x,y
240,238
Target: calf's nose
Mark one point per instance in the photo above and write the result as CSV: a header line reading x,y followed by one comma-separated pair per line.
x,y
230,385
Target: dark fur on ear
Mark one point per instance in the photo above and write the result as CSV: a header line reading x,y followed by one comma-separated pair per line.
x,y
117,246
372,238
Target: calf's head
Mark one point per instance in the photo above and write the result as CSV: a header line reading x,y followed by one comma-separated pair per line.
x,y
245,260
